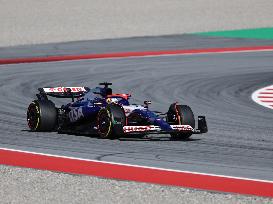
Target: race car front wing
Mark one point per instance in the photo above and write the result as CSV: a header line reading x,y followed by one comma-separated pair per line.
x,y
152,129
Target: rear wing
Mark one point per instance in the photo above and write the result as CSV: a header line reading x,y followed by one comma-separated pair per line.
x,y
61,92
64,89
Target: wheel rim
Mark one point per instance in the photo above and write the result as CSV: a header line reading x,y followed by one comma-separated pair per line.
x,y
33,117
104,124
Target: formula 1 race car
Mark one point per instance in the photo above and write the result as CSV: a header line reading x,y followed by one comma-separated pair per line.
x,y
98,111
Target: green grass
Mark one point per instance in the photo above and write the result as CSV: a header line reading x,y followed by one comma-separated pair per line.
x,y
258,33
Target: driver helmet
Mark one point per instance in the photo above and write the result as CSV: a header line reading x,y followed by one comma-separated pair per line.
x,y
112,100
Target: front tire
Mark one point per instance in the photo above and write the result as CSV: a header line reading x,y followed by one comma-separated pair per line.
x,y
110,122
181,115
42,116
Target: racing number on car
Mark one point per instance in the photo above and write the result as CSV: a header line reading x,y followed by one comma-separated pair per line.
x,y
75,114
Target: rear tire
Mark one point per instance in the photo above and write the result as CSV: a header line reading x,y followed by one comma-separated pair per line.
x,y
42,116
181,115
110,121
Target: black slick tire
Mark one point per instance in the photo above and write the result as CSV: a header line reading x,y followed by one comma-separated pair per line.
x,y
42,116
110,122
180,115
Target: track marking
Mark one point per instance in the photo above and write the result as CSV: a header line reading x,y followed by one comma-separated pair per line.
x,y
137,54
264,96
136,173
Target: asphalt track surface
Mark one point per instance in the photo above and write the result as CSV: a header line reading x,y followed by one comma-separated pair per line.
x,y
239,142
131,44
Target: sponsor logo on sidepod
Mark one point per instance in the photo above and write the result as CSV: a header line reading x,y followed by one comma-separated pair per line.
x,y
75,114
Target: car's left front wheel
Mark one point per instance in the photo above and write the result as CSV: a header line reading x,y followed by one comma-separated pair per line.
x,y
110,122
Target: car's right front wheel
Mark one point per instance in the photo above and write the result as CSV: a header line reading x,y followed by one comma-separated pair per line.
x,y
180,115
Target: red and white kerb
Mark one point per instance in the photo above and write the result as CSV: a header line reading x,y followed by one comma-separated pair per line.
x,y
264,96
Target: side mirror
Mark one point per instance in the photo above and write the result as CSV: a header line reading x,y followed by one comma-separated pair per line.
x,y
147,103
